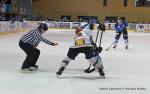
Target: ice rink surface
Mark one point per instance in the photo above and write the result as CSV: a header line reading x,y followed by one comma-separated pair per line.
x,y
127,71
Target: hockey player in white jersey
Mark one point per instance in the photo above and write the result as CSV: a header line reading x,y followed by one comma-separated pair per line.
x,y
83,44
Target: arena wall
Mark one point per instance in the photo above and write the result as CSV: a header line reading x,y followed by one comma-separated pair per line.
x,y
74,8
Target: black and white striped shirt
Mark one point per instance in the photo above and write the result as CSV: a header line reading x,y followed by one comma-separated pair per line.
x,y
34,37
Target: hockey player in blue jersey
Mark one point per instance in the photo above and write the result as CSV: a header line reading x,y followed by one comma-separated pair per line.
x,y
121,27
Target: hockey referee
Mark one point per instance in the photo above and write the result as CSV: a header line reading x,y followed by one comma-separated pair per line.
x,y
28,44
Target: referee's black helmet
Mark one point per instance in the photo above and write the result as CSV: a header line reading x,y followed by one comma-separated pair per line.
x,y
43,26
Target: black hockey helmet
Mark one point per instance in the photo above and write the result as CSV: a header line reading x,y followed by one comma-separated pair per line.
x,y
43,26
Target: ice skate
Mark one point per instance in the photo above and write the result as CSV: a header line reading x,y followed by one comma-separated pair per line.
x,y
60,71
114,46
126,47
101,73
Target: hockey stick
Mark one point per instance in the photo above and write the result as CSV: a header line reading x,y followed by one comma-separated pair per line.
x,y
110,46
88,69
101,38
97,37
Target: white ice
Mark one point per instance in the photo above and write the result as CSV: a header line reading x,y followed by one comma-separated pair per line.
x,y
127,71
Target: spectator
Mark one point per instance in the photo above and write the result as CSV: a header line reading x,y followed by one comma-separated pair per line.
x,y
8,6
3,8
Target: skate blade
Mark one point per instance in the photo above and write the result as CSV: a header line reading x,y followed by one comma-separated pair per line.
x,y
58,76
103,77
33,70
23,71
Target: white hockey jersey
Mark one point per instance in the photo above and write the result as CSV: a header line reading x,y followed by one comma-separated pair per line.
x,y
83,39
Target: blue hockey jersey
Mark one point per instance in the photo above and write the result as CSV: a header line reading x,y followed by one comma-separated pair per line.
x,y
121,27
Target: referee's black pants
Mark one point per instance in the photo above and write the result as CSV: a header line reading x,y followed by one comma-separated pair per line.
x,y
32,54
